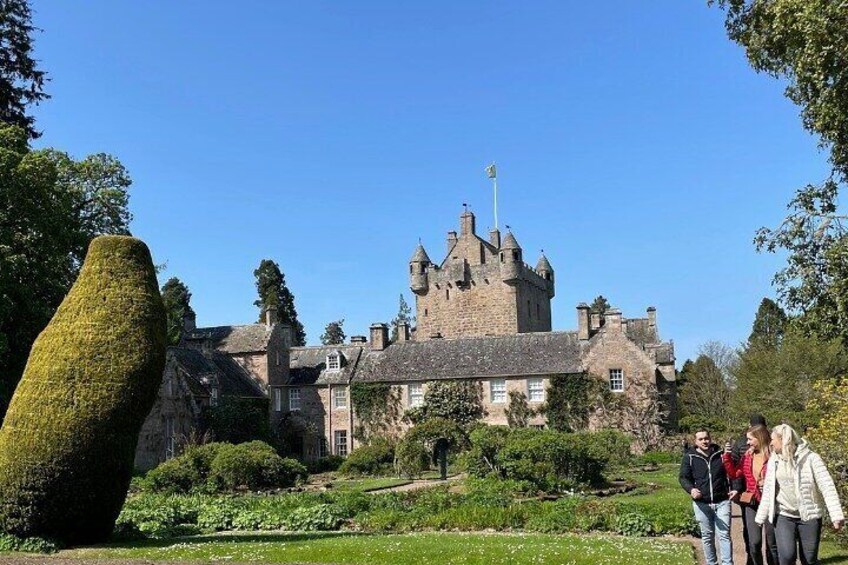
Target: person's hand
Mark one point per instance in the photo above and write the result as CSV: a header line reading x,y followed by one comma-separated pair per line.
x,y
733,494
838,525
696,494
728,447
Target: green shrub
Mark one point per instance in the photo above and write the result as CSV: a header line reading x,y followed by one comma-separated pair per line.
x,y
190,471
325,464
253,465
492,491
556,517
238,420
633,524
610,446
9,542
315,518
412,458
659,457
486,443
372,459
68,441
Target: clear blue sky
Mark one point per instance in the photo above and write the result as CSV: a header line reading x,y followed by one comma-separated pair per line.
x,y
634,144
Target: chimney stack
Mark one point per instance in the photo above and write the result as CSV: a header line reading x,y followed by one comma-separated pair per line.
x,y
402,332
379,336
467,224
189,321
451,240
495,238
612,320
583,332
652,317
358,339
270,315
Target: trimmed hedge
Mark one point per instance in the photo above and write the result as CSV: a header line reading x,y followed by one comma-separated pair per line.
x,y
371,459
219,467
69,437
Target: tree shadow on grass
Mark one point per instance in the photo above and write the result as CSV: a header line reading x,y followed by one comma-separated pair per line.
x,y
842,558
230,538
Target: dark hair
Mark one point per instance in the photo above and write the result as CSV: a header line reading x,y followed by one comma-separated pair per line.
x,y
758,420
700,429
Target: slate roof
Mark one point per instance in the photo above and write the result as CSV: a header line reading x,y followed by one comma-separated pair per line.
x,y
509,242
420,255
234,339
232,378
476,357
307,365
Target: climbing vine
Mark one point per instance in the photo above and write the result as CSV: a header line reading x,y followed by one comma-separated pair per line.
x,y
377,409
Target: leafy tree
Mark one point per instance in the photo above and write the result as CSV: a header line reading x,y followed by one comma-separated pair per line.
x,y
272,289
334,333
458,401
238,420
518,411
769,325
404,315
600,305
51,207
778,381
707,382
21,82
806,45
176,297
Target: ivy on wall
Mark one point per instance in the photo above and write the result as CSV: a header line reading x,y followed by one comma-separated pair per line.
x,y
377,409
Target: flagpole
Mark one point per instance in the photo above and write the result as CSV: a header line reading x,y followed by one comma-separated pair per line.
x,y
496,201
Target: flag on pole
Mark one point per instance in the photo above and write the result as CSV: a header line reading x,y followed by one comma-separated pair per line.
x,y
491,171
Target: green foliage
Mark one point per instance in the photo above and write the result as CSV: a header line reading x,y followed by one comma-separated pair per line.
x,y
238,420
372,459
51,207
272,290
691,424
377,408
777,381
769,325
26,545
176,297
633,524
570,400
325,464
457,401
411,458
404,315
518,411
482,459
334,333
68,442
21,81
315,518
217,467
600,305
703,390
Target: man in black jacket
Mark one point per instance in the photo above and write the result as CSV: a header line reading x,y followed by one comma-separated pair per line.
x,y
702,475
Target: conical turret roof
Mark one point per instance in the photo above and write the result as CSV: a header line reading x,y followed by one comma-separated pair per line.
x,y
544,264
509,242
420,256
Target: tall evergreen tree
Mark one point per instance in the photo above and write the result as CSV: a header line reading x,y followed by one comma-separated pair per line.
x,y
404,315
176,297
272,289
769,325
21,82
600,305
334,333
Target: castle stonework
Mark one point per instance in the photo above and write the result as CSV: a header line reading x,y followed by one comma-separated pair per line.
x,y
481,287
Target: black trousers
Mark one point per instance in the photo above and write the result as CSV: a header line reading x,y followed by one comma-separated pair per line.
x,y
794,533
755,534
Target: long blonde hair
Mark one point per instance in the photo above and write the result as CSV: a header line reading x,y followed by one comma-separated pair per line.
x,y
790,439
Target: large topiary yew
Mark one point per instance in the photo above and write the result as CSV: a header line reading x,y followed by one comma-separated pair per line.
x,y
69,437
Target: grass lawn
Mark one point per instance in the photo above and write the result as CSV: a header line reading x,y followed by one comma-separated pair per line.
x,y
442,548
831,554
366,485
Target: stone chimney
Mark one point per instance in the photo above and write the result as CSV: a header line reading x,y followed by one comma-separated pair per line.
x,y
595,322
379,336
652,317
583,321
270,315
451,240
402,332
612,320
495,238
189,321
467,223
358,339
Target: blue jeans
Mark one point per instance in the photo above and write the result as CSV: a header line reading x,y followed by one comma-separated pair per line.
x,y
714,520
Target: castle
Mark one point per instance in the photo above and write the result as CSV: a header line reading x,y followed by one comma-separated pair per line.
x,y
483,315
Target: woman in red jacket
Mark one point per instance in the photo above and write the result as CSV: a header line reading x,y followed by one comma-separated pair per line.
x,y
752,467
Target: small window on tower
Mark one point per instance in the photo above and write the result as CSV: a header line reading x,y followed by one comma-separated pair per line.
x,y
502,257
447,294
411,269
423,268
426,312
516,255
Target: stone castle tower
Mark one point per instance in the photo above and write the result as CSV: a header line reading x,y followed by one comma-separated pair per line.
x,y
480,288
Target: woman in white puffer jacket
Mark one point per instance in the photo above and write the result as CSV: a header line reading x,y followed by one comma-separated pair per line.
x,y
797,490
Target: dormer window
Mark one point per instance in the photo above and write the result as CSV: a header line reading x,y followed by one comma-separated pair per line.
x,y
334,361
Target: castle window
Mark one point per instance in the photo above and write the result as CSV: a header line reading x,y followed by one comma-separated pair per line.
x,y
213,397
416,395
294,399
411,271
447,294
322,447
340,441
616,380
502,257
339,398
536,390
482,254
516,255
422,268
333,361
426,312
497,391
278,400
278,359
